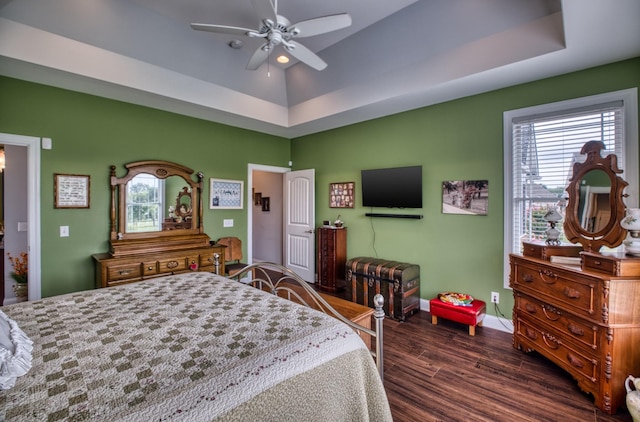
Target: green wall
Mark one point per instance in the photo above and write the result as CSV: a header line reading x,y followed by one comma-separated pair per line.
x,y
455,252
457,140
89,135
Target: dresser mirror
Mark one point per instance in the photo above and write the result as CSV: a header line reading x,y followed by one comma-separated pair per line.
x,y
156,202
595,207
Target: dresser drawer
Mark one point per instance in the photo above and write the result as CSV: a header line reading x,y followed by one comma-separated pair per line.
x,y
576,330
543,251
583,367
123,272
581,295
150,268
172,264
208,260
595,263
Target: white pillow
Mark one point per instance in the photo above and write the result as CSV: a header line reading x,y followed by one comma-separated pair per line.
x,y
15,352
5,335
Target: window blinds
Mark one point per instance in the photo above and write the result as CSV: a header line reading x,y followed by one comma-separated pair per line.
x,y
545,146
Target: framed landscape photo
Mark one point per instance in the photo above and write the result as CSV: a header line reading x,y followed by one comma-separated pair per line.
x,y
71,191
341,195
226,194
470,197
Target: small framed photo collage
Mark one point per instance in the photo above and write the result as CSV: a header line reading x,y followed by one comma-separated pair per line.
x,y
341,195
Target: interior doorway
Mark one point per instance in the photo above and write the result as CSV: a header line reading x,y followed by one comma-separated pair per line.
x,y
32,184
265,218
287,237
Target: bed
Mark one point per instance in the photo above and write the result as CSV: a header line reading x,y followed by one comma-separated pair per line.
x,y
194,347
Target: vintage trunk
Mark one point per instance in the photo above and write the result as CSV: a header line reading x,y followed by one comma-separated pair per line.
x,y
397,282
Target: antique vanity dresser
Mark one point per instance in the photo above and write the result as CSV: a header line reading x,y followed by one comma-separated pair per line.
x,y
142,247
583,316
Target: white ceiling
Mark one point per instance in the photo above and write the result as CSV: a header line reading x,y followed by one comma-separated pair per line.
x,y
398,55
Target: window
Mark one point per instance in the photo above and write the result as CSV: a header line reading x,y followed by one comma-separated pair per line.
x,y
541,145
144,204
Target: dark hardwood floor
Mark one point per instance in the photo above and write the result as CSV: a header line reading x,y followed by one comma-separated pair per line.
x,y
440,373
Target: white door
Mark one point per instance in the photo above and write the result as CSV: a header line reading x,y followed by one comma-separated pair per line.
x,y
299,221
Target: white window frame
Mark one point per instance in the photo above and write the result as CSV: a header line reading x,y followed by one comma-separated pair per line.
x,y
629,97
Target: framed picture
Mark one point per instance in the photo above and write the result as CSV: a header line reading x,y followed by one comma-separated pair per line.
x,y
71,191
266,206
257,199
469,197
341,195
226,194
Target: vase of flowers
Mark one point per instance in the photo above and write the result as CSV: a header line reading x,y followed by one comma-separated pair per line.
x,y
20,275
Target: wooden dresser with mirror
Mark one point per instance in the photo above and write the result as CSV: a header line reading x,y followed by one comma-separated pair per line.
x,y
584,315
156,225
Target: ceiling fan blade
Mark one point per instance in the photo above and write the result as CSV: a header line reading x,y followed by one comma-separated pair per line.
x,y
305,55
258,57
321,25
222,29
265,10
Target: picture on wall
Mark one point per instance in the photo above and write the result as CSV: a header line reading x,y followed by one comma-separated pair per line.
x,y
226,194
469,197
266,205
71,191
341,195
257,198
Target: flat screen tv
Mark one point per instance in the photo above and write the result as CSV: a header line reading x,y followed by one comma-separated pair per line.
x,y
399,187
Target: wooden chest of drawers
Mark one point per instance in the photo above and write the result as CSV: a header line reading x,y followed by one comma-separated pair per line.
x,y
112,271
331,255
585,321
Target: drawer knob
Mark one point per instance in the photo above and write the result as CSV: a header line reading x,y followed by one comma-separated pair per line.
x,y
575,330
149,268
531,334
575,361
571,293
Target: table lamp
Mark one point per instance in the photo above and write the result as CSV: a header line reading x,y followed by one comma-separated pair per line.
x,y
552,217
631,223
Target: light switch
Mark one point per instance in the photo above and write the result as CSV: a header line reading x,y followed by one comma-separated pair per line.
x,y
46,143
22,226
227,222
64,231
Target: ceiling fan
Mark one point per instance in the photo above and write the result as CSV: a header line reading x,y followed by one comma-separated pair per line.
x,y
277,30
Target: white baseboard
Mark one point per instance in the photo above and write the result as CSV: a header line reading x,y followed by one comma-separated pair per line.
x,y
490,321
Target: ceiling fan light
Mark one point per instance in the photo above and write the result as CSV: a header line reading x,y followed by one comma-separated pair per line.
x,y
282,59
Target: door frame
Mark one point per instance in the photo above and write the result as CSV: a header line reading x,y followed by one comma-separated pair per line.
x,y
249,200
33,207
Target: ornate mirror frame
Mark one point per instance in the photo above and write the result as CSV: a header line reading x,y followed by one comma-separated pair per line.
x,y
122,243
611,234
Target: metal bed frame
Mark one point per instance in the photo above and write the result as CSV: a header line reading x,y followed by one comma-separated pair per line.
x,y
278,280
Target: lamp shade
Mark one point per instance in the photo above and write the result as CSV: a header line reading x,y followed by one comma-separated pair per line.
x,y
552,216
631,221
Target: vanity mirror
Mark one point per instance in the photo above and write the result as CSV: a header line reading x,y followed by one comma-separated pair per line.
x,y
595,206
156,202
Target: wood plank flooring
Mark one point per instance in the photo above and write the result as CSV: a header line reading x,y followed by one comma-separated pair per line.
x,y
440,373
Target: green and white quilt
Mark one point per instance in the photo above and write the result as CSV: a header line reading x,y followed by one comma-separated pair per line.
x,y
190,347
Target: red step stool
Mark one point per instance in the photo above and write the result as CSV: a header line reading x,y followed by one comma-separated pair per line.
x,y
469,315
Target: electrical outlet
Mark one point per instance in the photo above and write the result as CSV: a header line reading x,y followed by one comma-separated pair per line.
x,y
495,297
